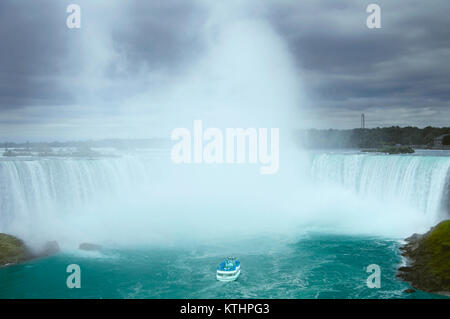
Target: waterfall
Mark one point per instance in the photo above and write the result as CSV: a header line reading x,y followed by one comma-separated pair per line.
x,y
141,198
31,189
419,181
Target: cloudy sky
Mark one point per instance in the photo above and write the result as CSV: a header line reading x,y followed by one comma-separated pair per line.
x,y
131,62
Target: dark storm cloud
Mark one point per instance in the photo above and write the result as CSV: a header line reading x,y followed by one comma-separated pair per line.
x,y
36,47
31,51
163,33
350,67
346,68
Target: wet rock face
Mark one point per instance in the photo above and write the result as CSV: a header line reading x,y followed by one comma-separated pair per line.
x,y
89,247
409,290
50,248
429,260
12,250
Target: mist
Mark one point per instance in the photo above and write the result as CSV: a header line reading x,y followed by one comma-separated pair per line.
x,y
243,75
236,72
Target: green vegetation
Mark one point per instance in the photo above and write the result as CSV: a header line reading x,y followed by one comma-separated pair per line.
x,y
392,150
12,250
446,140
437,244
429,256
374,137
396,150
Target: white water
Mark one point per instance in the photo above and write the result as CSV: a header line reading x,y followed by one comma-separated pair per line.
x,y
140,199
245,77
38,195
417,181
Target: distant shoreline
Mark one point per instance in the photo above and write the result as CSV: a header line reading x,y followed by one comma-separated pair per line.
x,y
376,138
428,138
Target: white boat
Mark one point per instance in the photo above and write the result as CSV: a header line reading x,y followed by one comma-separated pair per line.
x,y
229,269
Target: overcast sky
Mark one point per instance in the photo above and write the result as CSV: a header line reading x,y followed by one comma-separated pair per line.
x,y
93,82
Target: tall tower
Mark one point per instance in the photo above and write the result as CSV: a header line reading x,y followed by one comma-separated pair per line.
x,y
362,138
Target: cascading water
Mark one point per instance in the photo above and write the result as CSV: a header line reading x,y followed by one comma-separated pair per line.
x,y
138,195
30,187
229,85
419,181
40,190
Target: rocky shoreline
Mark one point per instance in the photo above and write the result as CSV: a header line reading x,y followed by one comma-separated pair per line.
x,y
428,257
13,250
427,269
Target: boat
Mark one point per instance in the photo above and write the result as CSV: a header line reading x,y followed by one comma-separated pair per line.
x,y
229,269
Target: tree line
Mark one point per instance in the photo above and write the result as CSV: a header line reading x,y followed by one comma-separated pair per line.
x,y
375,137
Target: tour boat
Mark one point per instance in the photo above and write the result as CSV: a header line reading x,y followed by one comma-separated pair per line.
x,y
229,269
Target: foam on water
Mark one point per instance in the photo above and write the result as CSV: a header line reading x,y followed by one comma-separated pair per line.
x,y
137,199
416,181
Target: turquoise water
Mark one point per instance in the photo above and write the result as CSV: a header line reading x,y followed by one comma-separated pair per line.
x,y
312,266
188,215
